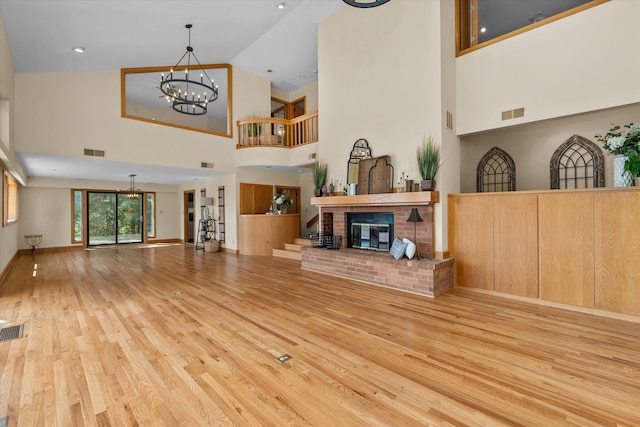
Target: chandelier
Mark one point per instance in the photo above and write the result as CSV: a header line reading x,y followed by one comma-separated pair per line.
x,y
133,192
187,94
365,3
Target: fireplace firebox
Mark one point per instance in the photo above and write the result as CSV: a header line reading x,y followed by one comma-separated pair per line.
x,y
370,230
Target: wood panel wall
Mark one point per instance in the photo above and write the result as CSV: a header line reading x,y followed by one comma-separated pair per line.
x,y
255,198
575,247
566,248
617,252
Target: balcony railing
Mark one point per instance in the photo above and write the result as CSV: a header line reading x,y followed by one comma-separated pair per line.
x,y
272,132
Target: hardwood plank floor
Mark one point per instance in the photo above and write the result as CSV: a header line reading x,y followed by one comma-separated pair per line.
x,y
165,336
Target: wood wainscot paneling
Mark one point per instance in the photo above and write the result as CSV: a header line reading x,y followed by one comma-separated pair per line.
x,y
255,198
566,248
617,252
471,239
585,243
260,234
515,244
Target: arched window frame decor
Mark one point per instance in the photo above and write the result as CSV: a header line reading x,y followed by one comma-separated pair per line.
x,y
574,144
497,156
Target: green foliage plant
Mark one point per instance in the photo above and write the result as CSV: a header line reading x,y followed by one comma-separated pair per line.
x,y
428,157
319,175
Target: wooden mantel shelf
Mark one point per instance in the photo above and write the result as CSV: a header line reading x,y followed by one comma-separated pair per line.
x,y
418,198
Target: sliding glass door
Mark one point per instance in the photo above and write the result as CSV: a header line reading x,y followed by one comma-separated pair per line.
x,y
114,218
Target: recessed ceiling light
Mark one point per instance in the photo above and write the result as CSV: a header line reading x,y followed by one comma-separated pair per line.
x,y
281,5
78,49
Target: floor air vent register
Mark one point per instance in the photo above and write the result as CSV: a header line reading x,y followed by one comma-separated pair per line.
x,y
11,333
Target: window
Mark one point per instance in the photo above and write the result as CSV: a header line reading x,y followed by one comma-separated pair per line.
x,y
151,214
577,163
77,225
9,199
480,23
496,172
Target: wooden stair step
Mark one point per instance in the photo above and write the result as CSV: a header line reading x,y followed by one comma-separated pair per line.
x,y
302,241
283,253
292,247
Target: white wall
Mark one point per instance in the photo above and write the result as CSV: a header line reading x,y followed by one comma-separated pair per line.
x,y
310,92
45,208
66,125
9,235
585,62
532,145
381,79
230,210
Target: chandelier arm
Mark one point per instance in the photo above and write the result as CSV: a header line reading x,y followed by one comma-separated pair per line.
x,y
204,72
180,100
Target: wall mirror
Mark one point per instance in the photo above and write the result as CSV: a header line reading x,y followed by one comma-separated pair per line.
x,y
359,151
141,99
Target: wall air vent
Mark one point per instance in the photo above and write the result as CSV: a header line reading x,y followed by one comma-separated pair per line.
x,y
518,112
312,156
513,114
206,165
449,120
94,153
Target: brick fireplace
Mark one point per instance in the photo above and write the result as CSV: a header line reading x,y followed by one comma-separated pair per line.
x,y
427,276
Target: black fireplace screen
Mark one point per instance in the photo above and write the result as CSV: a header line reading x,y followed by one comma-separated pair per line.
x,y
371,231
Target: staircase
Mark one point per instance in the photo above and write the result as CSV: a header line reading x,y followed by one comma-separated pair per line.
x,y
292,250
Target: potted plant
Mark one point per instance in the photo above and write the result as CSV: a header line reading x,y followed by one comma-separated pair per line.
x,y
428,157
319,178
625,145
282,201
254,131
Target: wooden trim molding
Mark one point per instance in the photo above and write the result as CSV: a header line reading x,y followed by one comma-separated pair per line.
x,y
418,198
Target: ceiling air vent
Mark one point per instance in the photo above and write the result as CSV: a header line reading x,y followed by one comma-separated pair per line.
x,y
93,152
206,165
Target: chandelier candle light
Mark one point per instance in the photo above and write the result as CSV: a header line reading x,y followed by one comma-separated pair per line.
x,y
133,192
188,95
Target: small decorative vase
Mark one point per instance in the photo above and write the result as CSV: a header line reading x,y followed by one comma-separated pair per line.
x,y
284,210
279,211
408,184
621,178
331,188
317,192
638,181
428,184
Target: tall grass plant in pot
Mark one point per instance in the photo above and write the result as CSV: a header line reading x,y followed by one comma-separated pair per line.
x,y
319,178
428,158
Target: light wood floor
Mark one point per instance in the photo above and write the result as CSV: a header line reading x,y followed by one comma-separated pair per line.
x,y
168,337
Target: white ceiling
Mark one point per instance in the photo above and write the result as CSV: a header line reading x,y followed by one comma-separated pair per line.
x,y
253,35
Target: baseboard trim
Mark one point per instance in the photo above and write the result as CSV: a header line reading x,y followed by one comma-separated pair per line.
x,y
541,302
52,249
8,268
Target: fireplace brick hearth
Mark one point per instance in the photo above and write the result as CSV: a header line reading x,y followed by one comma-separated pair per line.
x,y
427,276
